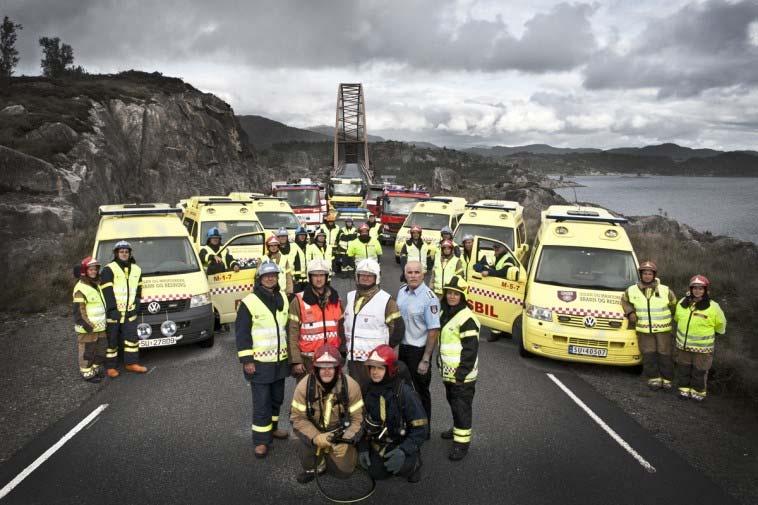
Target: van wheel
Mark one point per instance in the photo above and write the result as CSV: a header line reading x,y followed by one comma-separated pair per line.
x,y
205,344
518,338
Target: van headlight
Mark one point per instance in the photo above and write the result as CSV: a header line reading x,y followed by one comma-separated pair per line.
x,y
540,313
200,300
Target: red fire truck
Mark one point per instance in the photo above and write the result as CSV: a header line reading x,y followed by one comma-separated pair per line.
x,y
306,198
395,205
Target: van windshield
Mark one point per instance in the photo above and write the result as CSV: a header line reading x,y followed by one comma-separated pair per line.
x,y
501,233
156,256
275,220
400,205
229,229
300,197
427,220
588,268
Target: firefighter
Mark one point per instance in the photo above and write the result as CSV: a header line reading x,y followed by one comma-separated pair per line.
x,y
297,258
344,237
320,248
89,320
415,249
212,262
446,265
698,320
315,319
364,247
327,416
503,261
121,283
372,317
459,363
446,233
468,245
281,260
330,229
284,241
261,334
374,228
649,306
395,422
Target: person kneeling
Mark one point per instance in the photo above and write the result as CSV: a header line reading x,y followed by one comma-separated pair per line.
x,y
327,415
396,425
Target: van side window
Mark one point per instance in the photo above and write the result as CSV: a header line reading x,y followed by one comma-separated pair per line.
x,y
521,231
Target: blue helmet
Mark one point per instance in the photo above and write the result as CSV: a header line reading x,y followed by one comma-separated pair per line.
x,y
213,232
446,229
301,230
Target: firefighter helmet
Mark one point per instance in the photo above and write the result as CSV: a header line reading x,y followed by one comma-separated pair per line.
x,y
456,283
267,267
368,266
327,356
383,355
648,265
700,280
272,240
318,266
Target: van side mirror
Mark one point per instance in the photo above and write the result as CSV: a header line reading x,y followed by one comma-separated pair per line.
x,y
525,247
512,274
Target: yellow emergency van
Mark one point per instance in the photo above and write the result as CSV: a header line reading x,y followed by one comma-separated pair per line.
x,y
174,287
231,216
272,212
582,262
499,219
431,215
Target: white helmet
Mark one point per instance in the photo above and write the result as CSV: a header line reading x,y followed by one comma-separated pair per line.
x,y
317,266
267,267
368,266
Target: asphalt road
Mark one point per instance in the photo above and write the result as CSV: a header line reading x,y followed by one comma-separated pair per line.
x,y
181,434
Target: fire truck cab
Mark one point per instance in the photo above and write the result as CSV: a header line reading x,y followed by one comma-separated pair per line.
x,y
305,198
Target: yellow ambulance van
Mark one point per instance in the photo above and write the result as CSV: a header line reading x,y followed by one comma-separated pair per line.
x,y
272,213
431,215
499,219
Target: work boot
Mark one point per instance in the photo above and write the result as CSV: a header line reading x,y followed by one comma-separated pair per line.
x,y
666,384
696,395
92,378
280,434
683,393
493,336
261,451
447,435
458,451
112,373
655,383
415,477
306,476
136,368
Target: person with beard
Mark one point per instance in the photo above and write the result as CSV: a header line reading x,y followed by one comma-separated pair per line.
x,y
364,247
274,255
297,259
395,420
327,416
89,320
648,305
261,335
459,363
212,262
698,320
121,284
372,317
468,245
315,319
415,249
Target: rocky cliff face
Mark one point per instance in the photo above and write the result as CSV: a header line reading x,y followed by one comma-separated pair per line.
x,y
66,148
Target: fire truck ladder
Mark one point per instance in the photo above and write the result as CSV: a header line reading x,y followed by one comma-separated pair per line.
x,y
350,139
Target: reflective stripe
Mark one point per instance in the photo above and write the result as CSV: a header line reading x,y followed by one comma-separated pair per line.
x,y
125,286
654,307
418,422
94,306
462,436
268,333
274,418
356,406
451,346
298,406
370,328
392,317
246,352
106,285
442,274
327,414
263,429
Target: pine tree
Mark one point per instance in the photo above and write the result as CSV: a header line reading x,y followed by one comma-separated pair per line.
x,y
8,52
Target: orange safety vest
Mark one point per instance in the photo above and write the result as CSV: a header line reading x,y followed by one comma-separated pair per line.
x,y
318,327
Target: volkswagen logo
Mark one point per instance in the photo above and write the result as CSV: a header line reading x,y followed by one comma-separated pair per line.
x,y
155,307
589,322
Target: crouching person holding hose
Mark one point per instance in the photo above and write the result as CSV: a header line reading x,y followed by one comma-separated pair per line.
x,y
327,416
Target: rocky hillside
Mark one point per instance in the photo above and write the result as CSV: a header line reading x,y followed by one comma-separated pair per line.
x,y
67,147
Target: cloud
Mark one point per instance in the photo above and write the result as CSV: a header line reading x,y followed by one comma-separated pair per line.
x,y
697,48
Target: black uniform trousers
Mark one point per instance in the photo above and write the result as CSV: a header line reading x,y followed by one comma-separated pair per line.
x,y
122,334
461,398
267,385
412,356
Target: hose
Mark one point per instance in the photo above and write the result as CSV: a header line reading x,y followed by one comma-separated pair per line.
x,y
320,457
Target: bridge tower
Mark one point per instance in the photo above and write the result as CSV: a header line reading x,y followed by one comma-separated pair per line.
x,y
350,137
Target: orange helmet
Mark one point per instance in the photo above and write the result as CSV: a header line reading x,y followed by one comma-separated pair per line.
x,y
446,243
417,228
272,240
700,280
648,265
363,227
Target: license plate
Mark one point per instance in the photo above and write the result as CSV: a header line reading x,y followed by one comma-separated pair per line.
x,y
159,342
588,351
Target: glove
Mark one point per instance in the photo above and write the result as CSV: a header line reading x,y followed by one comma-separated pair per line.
x,y
322,441
394,460
364,458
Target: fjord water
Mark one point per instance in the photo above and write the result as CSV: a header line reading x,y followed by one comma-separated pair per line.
x,y
721,205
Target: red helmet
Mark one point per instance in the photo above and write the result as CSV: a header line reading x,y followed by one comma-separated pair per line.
x,y
700,280
648,265
327,356
446,243
363,227
417,228
87,262
272,240
383,355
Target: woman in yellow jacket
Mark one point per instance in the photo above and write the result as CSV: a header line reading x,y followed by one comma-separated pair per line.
x,y
698,320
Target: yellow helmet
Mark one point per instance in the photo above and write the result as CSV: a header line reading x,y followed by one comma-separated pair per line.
x,y
457,283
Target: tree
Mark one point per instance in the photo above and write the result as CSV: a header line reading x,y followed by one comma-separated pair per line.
x,y
8,52
57,57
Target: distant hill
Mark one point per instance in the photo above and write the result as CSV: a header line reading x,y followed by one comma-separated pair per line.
x,y
263,132
669,150
329,131
502,151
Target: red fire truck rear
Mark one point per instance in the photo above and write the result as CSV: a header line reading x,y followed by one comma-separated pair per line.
x,y
306,198
396,204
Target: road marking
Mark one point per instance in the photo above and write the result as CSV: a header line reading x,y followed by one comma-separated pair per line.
x,y
52,450
615,436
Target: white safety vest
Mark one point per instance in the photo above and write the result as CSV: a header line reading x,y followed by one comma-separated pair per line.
x,y
366,329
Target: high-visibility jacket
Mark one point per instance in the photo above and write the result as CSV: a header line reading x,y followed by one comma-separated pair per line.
x,y
226,258
451,347
331,234
125,288
317,326
360,250
416,253
346,236
314,252
652,308
374,231
94,305
443,273
365,328
696,329
298,263
268,333
465,261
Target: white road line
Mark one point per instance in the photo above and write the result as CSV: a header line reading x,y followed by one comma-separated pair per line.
x,y
615,436
37,462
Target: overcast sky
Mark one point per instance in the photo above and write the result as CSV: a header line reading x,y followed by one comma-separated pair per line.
x,y
454,72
